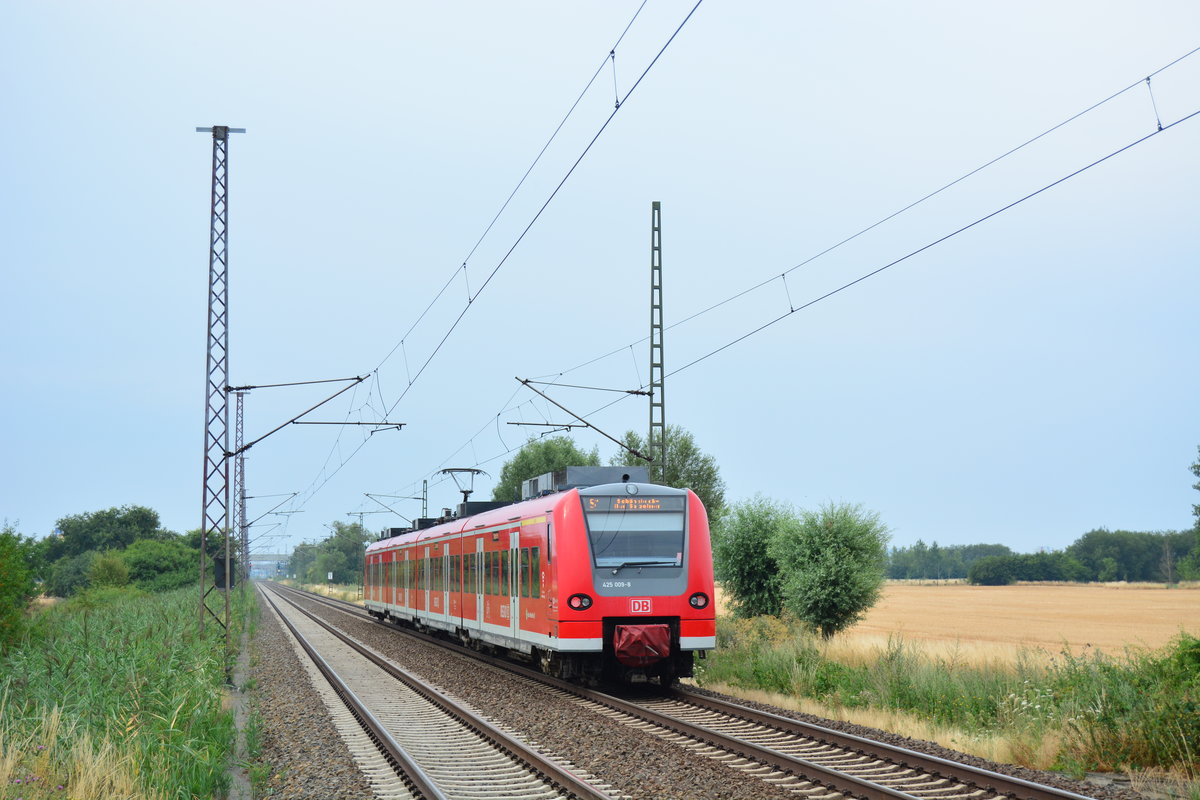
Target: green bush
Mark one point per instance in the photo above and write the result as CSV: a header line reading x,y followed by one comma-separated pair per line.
x,y
157,565
69,575
993,571
107,569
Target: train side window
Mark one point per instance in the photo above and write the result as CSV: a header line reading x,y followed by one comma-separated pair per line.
x,y
504,572
468,559
524,572
535,573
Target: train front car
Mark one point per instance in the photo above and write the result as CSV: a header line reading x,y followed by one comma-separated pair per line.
x,y
634,580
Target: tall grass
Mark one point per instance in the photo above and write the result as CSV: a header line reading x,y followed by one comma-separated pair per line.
x,y
1140,709
115,694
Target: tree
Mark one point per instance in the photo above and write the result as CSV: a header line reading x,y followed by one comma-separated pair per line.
x,y
992,571
1120,555
349,541
111,529
741,538
688,467
16,585
1196,507
537,457
832,565
329,562
1189,565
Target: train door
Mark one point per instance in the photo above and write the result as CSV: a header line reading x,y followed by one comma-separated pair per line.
x,y
478,582
444,584
427,578
395,576
512,581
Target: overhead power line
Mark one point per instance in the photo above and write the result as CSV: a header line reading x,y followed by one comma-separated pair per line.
x,y
538,214
793,309
782,276
938,241
1012,151
318,482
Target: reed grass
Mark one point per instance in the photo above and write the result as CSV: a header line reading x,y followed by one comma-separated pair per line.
x,y
350,593
115,694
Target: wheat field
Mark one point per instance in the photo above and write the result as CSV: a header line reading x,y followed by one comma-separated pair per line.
x,y
994,623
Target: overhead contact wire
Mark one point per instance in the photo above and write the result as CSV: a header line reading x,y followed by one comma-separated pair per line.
x,y
550,199
936,242
906,208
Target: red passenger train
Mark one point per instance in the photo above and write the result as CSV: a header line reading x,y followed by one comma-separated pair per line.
x,y
612,580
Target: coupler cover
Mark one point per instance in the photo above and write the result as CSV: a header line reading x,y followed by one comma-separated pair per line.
x,y
641,645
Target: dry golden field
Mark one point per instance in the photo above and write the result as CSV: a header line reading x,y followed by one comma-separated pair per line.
x,y
996,622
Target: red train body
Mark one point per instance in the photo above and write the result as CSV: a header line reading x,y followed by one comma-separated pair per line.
x,y
609,581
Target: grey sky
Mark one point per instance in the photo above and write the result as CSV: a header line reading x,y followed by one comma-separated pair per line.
x,y
1023,382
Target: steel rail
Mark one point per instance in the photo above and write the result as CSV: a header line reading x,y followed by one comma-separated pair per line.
x,y
558,776
940,767
411,772
816,773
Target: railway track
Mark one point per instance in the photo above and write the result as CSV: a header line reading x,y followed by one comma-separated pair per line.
x,y
802,758
436,748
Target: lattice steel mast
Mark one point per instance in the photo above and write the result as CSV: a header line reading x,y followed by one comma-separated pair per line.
x,y
214,516
656,442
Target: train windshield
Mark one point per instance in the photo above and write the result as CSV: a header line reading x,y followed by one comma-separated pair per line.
x,y
641,532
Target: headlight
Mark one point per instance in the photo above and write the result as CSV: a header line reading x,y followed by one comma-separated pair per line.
x,y
698,600
579,602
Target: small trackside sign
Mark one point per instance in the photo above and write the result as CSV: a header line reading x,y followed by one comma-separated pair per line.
x,y
639,605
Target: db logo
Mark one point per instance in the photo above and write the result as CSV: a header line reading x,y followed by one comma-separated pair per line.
x,y
639,605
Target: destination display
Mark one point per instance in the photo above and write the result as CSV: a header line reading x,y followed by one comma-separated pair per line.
x,y
634,503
